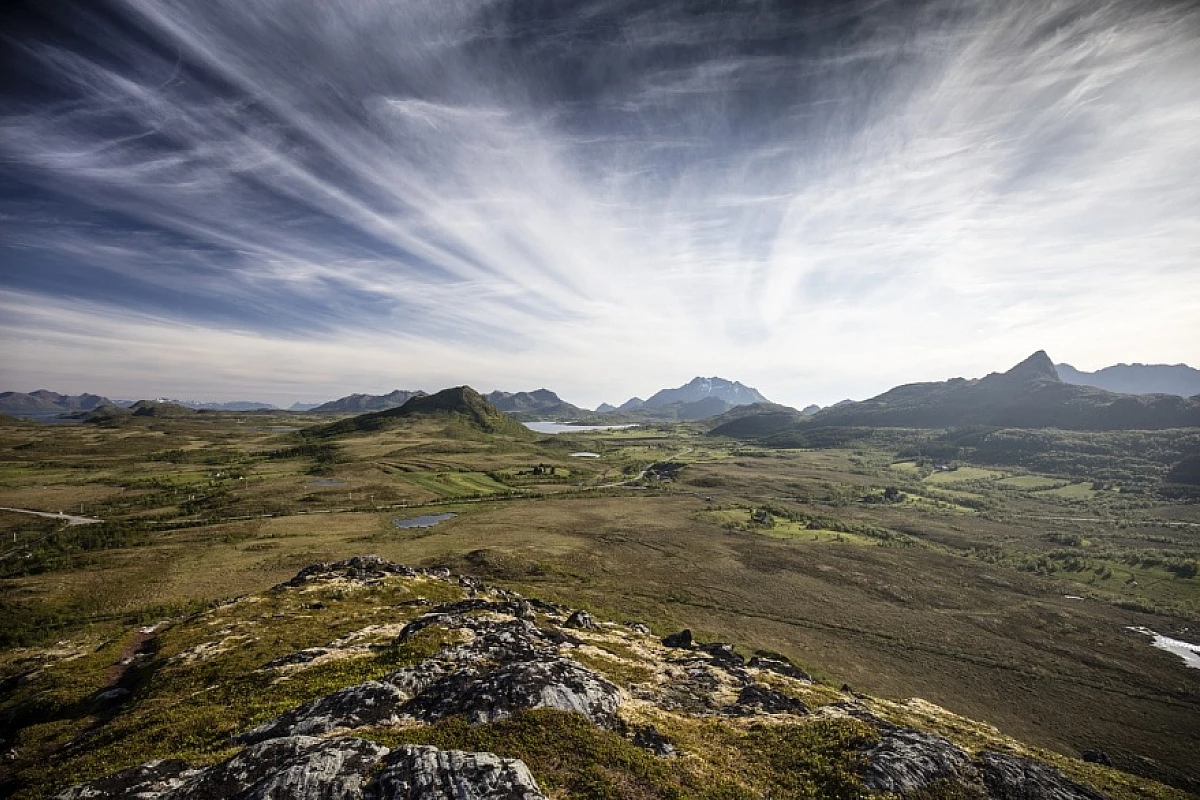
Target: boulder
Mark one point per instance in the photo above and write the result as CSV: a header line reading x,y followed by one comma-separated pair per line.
x,y
582,620
639,627
683,639
723,654
1011,778
426,773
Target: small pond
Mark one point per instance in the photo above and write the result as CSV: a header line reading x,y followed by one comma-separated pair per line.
x,y
425,521
1190,653
563,427
584,454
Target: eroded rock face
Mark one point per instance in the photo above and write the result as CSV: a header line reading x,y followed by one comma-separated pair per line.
x,y
426,773
293,766
905,760
323,769
1011,778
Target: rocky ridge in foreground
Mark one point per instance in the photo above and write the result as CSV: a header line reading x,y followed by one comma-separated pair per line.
x,y
577,708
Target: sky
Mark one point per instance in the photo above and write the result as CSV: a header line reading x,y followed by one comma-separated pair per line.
x,y
281,200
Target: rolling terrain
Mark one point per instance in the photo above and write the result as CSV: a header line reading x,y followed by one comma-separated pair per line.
x,y
1000,577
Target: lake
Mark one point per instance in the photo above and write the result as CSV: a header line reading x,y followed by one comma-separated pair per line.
x,y
562,427
426,521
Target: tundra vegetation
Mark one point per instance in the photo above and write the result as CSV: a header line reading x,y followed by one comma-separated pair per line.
x,y
994,572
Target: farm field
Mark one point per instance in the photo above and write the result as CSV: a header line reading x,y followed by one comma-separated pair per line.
x,y
1003,594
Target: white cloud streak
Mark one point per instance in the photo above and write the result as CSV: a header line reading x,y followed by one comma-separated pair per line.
x,y
817,206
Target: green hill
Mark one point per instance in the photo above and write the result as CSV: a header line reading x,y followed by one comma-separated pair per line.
x,y
460,405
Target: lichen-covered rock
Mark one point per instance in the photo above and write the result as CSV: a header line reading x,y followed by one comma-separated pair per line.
x,y
543,683
144,782
370,703
294,766
426,773
1011,778
905,760
306,767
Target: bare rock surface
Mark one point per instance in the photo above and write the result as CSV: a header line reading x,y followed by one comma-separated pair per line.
x,y
293,766
906,760
426,773
1012,778
323,769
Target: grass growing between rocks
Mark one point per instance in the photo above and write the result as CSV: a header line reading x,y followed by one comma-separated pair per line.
x,y
204,682
571,758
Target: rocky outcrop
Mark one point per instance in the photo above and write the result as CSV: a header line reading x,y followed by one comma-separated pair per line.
x,y
496,655
148,781
343,768
906,760
426,773
1012,778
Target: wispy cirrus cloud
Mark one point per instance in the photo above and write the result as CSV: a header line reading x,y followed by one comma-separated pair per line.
x,y
600,197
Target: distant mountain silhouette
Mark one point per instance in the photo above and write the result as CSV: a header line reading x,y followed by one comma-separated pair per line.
x,y
1030,395
605,408
43,403
1177,379
357,403
461,405
539,402
298,406
632,404
732,392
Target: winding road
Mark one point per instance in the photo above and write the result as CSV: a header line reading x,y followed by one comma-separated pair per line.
x,y
69,518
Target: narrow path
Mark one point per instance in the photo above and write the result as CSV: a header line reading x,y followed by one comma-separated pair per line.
x,y
70,519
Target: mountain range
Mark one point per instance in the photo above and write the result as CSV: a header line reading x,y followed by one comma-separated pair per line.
x,y
1177,379
43,403
699,398
1030,395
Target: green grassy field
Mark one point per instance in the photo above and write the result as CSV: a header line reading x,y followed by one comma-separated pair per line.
x,y
957,594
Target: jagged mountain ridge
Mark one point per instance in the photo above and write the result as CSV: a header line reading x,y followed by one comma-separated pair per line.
x,y
1176,379
579,707
1030,395
732,392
